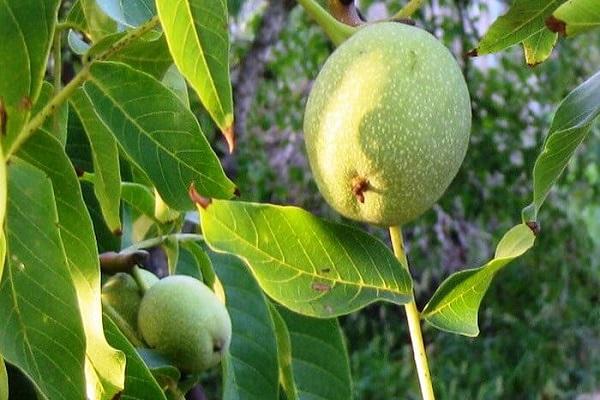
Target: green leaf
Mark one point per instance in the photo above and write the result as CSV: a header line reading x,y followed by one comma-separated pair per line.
x,y
76,17
158,133
198,38
319,357
571,123
455,304
250,368
149,55
26,29
193,261
539,46
171,249
99,24
129,12
104,365
176,82
312,266
163,371
3,380
284,355
575,17
2,209
105,157
139,382
76,43
41,331
525,18
62,114
139,197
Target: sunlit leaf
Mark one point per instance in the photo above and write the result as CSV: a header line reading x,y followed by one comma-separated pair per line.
x,y
139,382
158,133
571,123
105,157
524,19
176,82
26,29
539,46
575,17
320,363
139,197
455,304
250,368
104,365
41,331
197,34
310,265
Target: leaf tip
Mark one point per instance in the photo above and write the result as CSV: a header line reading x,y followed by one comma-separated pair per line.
x,y
197,198
236,192
118,232
229,134
556,25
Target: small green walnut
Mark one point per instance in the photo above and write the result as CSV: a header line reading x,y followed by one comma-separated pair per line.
x,y
185,321
123,294
387,124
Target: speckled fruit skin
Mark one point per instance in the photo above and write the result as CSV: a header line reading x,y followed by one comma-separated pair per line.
x,y
390,108
184,320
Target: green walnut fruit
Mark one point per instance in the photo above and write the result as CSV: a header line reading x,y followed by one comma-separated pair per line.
x,y
387,124
185,321
123,294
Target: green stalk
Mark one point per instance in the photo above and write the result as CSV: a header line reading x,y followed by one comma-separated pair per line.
x,y
409,9
36,122
414,322
57,75
155,241
334,29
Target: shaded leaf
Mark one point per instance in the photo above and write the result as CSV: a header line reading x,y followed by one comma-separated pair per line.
x,y
312,266
26,29
104,365
176,82
129,12
3,380
41,330
320,363
575,17
3,189
571,123
539,46
139,197
139,382
455,304
284,355
250,368
163,371
201,267
62,114
76,17
171,249
158,133
105,157
148,55
524,19
98,23
198,38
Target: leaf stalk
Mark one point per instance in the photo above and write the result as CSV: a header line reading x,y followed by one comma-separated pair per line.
x,y
414,322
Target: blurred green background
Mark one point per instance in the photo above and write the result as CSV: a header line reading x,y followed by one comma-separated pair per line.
x,y
540,322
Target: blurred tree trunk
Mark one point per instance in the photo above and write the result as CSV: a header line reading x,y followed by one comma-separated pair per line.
x,y
253,65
